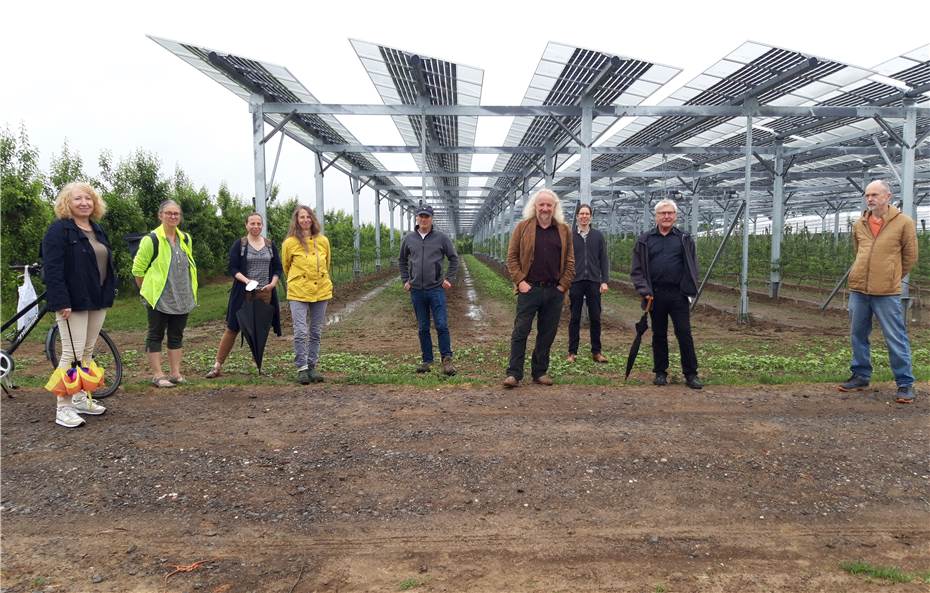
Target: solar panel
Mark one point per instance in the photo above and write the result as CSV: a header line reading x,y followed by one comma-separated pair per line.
x,y
245,77
563,76
405,78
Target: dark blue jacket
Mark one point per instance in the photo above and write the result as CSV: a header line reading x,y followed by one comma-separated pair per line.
x,y
239,262
421,258
70,272
639,273
591,260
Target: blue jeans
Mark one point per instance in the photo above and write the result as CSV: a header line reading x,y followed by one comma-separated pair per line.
x,y
890,316
426,301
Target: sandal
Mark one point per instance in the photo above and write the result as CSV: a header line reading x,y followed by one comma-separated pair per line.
x,y
177,380
215,372
162,382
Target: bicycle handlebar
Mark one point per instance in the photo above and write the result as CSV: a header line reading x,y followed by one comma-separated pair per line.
x,y
22,267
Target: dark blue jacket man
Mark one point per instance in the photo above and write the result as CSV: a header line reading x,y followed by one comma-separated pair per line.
x,y
664,272
420,261
592,271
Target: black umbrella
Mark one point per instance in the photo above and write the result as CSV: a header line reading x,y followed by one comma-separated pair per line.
x,y
254,319
641,327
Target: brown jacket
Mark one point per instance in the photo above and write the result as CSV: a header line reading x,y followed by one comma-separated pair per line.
x,y
882,261
522,249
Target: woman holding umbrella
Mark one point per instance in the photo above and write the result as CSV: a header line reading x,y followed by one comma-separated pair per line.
x,y
166,275
306,258
255,266
80,281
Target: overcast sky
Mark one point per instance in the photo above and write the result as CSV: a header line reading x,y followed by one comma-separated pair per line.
x,y
86,72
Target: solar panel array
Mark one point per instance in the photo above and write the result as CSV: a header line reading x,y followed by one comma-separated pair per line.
x,y
622,181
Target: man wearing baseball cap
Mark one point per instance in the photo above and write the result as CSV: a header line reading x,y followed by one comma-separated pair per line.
x,y
421,255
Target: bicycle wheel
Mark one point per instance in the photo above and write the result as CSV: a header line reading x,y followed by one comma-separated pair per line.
x,y
105,353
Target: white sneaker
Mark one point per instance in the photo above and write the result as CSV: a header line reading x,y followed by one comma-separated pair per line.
x,y
86,405
67,416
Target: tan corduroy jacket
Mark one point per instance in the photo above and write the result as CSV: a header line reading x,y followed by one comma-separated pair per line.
x,y
522,249
882,261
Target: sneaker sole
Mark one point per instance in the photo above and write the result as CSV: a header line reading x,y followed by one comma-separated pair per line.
x,y
851,389
100,413
60,423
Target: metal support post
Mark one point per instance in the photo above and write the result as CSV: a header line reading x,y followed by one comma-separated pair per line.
x,y
258,155
907,186
587,107
550,162
318,182
778,220
695,215
391,206
355,184
747,195
377,230
648,219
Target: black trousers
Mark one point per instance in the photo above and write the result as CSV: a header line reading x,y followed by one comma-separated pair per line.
x,y
581,291
546,304
672,303
159,323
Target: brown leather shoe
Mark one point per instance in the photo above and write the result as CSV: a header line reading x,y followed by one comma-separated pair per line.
x,y
447,367
599,357
511,382
543,380
571,358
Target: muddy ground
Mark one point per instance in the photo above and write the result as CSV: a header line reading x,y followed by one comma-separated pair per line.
x,y
464,486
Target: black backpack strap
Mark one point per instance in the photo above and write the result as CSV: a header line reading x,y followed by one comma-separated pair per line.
x,y
154,239
242,246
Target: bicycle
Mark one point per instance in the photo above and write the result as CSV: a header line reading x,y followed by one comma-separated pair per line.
x,y
105,352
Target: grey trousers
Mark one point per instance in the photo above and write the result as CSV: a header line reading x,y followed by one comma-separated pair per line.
x,y
308,320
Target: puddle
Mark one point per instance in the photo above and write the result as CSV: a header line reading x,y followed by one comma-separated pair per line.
x,y
474,311
353,305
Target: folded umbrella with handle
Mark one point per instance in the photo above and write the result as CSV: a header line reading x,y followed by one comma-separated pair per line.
x,y
641,327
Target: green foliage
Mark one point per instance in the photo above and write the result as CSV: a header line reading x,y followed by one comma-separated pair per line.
x,y
891,574
64,169
133,188
411,583
463,245
24,212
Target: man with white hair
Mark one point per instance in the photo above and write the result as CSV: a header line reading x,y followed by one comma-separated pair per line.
x,y
665,274
541,263
885,244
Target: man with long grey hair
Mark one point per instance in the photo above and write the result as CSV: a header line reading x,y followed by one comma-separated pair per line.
x,y
665,274
541,263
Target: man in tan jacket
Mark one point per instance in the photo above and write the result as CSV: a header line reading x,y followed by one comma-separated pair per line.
x,y
885,243
541,263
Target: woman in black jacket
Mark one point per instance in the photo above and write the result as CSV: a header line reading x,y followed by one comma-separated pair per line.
x,y
252,257
80,282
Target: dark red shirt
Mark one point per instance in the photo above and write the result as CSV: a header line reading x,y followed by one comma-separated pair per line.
x,y
547,261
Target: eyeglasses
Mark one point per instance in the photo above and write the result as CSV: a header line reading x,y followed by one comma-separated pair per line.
x,y
172,214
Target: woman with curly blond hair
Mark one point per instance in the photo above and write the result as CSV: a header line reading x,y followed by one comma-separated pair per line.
x,y
80,281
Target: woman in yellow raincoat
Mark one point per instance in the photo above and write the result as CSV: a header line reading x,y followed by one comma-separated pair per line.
x,y
80,281
306,258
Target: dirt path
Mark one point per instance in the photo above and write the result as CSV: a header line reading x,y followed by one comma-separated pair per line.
x,y
461,486
561,489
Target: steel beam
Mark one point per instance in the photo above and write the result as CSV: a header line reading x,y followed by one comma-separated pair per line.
x,y
778,221
761,111
747,196
377,231
355,185
258,158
